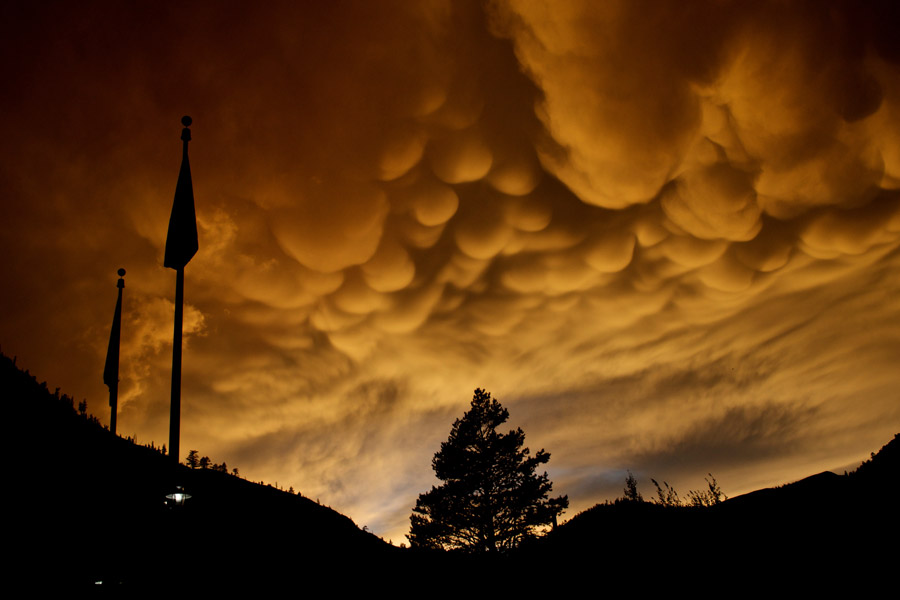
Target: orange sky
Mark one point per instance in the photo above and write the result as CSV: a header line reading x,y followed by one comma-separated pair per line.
x,y
665,237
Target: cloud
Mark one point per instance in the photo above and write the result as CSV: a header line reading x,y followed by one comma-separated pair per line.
x,y
739,434
662,248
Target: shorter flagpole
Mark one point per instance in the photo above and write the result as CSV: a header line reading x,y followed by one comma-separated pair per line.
x,y
111,369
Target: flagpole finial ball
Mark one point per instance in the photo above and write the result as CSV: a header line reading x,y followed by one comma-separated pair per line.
x,y
121,272
186,121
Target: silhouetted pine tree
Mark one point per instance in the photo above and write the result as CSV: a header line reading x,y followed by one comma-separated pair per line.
x,y
491,499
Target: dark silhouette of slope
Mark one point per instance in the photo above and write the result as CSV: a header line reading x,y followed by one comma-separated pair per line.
x,y
805,533
86,506
91,508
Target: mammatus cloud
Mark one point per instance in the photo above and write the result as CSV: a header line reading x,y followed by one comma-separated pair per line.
x,y
664,236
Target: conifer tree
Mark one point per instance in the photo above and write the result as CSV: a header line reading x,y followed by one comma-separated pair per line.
x,y
491,499
631,492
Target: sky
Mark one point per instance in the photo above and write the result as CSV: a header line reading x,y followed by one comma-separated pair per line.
x,y
664,235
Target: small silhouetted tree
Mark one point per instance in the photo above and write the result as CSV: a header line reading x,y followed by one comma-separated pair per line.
x,y
192,460
709,497
667,496
491,499
204,462
631,492
697,498
715,494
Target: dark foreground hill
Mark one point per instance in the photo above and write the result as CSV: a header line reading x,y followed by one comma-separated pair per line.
x,y
90,507
824,531
85,506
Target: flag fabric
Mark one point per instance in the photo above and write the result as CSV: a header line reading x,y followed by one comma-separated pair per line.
x,y
181,243
111,370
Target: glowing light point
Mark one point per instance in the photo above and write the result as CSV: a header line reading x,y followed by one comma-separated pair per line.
x,y
178,497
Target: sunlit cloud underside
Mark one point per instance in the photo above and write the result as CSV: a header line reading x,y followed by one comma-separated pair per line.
x,y
663,235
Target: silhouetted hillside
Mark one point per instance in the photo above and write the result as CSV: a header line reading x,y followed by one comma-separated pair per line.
x,y
89,506
805,533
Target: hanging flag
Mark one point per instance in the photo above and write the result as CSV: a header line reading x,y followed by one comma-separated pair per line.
x,y
181,243
111,370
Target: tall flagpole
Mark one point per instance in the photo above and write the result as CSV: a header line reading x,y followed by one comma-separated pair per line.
x,y
181,245
111,370
175,410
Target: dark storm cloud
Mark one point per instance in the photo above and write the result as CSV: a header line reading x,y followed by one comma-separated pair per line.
x,y
631,221
741,434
